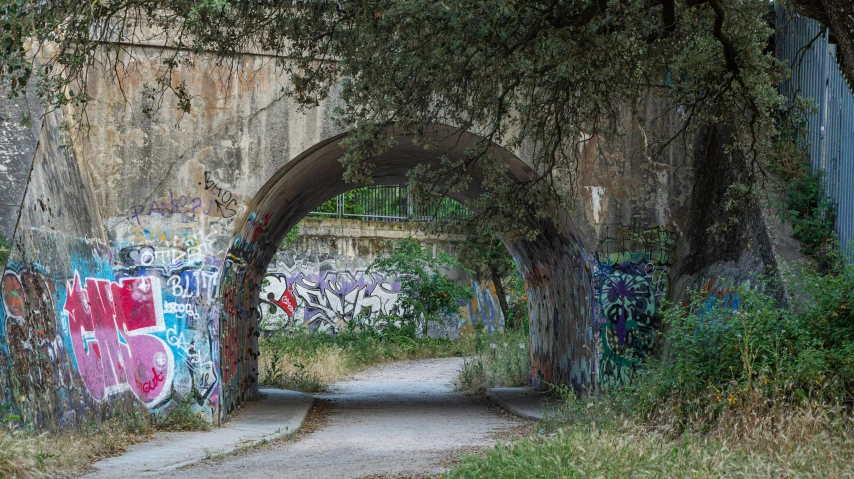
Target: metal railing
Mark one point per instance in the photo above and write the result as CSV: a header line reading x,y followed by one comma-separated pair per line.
x,y
388,203
807,51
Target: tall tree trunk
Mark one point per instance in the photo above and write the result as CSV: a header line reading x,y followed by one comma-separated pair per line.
x,y
838,15
509,322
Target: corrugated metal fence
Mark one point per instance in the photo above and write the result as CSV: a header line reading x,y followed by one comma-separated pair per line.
x,y
806,48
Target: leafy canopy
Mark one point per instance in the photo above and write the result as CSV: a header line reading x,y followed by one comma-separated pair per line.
x,y
548,76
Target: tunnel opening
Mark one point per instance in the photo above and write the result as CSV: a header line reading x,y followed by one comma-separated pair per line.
x,y
325,277
554,268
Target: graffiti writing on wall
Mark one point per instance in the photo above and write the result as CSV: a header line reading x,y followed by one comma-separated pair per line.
x,y
326,301
309,291
718,297
481,309
631,277
111,325
223,199
216,201
33,354
184,264
177,204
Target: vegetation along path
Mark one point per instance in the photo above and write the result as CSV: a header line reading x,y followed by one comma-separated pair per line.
x,y
401,419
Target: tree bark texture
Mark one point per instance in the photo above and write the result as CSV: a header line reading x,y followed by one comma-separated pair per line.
x,y
838,16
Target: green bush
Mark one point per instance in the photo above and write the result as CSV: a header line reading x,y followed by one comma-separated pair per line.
x,y
181,416
719,357
810,213
427,295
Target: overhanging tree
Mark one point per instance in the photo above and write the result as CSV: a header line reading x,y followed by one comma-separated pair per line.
x,y
549,74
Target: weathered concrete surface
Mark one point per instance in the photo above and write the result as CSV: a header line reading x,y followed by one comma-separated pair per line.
x,y
400,418
527,403
275,414
20,124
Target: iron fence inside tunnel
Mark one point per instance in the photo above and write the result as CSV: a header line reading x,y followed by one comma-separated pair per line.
x,y
390,203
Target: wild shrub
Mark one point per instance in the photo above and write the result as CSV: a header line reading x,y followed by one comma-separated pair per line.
x,y
181,416
427,294
757,356
810,212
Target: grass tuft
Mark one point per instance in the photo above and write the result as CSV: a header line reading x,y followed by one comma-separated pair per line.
x,y
24,454
508,364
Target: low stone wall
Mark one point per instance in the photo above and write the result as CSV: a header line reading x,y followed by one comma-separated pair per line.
x,y
321,281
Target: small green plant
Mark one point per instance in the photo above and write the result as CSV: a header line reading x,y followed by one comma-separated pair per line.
x,y
810,212
427,295
181,416
297,379
291,237
5,250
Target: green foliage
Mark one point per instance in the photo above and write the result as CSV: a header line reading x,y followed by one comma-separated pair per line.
x,y
5,250
810,212
290,239
427,295
298,379
350,207
500,360
483,253
181,416
518,307
719,357
391,201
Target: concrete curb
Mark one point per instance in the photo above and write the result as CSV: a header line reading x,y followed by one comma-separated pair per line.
x,y
278,413
523,402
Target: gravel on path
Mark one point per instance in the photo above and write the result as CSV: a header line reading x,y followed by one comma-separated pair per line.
x,y
401,419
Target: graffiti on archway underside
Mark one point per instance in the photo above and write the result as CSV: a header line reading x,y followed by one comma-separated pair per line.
x,y
631,277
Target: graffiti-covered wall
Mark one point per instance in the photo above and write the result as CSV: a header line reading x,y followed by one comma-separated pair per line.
x,y
59,365
96,322
322,280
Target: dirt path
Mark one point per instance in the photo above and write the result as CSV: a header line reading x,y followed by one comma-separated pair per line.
x,y
400,419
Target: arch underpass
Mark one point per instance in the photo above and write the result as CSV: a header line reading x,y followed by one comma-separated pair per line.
x,y
557,277
169,222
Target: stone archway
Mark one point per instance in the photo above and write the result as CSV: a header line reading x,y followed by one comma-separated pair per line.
x,y
557,276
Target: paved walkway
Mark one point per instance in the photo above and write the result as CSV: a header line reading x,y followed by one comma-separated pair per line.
x,y
524,402
402,419
277,413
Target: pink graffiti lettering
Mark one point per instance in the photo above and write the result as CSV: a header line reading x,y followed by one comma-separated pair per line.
x,y
110,324
151,385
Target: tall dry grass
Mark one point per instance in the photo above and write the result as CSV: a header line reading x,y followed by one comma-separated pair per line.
x,y
26,454
776,442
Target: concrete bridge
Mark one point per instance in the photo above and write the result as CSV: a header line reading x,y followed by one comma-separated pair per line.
x,y
139,247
